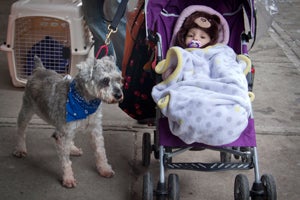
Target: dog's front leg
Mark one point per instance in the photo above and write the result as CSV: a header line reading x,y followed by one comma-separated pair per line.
x,y
97,141
64,144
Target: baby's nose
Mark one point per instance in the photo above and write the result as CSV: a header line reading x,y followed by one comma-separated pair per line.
x,y
195,37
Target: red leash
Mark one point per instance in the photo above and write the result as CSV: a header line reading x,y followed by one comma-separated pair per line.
x,y
105,47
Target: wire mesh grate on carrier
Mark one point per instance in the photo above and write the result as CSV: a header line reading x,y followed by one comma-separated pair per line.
x,y
53,30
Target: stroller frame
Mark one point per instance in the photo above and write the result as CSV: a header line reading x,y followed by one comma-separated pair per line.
x,y
263,187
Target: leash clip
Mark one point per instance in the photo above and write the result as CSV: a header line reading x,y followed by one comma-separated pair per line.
x,y
110,31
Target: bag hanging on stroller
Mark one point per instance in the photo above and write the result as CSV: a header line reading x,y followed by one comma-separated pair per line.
x,y
138,77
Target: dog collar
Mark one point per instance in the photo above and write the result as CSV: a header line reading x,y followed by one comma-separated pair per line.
x,y
77,107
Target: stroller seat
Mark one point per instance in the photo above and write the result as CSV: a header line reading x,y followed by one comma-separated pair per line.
x,y
206,83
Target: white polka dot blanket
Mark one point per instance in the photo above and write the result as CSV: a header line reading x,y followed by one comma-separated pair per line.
x,y
204,94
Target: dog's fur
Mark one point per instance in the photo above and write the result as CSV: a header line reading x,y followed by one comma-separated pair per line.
x,y
46,95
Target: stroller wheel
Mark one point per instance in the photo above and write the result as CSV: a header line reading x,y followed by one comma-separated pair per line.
x,y
146,149
269,187
147,187
173,187
155,146
241,187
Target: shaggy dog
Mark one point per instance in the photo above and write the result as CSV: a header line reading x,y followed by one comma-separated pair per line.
x,y
69,105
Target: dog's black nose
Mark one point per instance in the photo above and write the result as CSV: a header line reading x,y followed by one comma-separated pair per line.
x,y
118,95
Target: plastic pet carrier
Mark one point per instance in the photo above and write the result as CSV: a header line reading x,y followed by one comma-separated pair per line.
x,y
54,30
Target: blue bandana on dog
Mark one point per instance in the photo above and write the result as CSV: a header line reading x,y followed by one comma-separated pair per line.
x,y
77,107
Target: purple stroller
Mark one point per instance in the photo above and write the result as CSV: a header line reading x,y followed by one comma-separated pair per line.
x,y
161,18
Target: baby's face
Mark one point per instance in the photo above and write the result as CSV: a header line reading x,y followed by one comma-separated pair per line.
x,y
198,35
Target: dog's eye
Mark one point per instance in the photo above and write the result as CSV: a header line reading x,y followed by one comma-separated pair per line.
x,y
105,81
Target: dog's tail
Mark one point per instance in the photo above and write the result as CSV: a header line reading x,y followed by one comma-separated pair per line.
x,y
38,62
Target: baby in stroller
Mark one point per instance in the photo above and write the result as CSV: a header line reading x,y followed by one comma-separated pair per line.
x,y
199,30
204,92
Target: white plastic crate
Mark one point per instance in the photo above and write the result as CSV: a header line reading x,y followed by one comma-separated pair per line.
x,y
52,29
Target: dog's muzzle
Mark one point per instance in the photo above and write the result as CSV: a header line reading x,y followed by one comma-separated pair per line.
x,y
118,95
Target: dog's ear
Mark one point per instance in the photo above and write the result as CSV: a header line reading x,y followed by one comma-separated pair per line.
x,y
112,58
108,63
108,58
87,67
89,62
38,62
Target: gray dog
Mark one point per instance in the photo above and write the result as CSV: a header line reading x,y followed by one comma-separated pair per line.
x,y
69,105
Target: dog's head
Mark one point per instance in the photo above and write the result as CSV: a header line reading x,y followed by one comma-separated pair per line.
x,y
101,79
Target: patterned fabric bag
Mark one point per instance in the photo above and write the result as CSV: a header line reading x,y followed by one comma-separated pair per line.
x,y
139,78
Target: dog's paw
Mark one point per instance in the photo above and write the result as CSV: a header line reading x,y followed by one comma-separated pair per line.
x,y
106,172
20,153
69,182
76,152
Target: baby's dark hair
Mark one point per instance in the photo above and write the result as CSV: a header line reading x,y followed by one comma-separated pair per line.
x,y
189,22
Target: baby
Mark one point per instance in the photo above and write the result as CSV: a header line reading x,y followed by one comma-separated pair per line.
x,y
199,30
